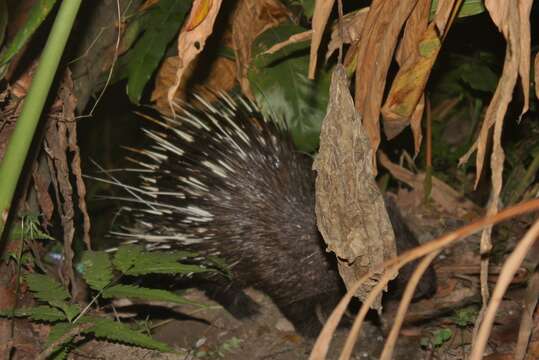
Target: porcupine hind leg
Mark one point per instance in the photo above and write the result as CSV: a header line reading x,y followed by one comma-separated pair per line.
x,y
232,297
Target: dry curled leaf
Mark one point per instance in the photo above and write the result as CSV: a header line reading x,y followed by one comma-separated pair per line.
x,y
322,11
383,27
191,42
350,209
61,145
409,84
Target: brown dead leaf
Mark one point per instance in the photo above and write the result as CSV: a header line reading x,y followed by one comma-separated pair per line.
x,y
350,26
498,11
524,10
61,144
350,209
408,53
444,12
409,84
382,28
415,124
190,44
300,37
246,20
322,11
199,12
221,76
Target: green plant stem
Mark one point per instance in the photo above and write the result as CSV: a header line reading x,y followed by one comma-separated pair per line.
x,y
21,139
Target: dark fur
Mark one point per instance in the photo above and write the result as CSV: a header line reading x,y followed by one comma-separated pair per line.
x,y
263,221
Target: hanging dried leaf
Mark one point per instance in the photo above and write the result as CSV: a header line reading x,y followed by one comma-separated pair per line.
x,y
351,26
374,55
191,42
322,11
408,86
350,209
443,14
524,10
61,144
199,12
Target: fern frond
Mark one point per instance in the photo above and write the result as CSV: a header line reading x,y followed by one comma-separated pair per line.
x,y
46,288
136,292
57,331
38,313
97,269
134,260
117,331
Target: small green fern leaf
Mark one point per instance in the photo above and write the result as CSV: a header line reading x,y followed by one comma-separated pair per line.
x,y
97,269
117,331
136,292
46,288
133,260
57,331
38,313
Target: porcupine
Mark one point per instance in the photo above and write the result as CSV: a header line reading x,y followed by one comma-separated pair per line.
x,y
225,180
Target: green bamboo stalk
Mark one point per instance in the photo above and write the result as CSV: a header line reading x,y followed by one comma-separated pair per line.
x,y
21,139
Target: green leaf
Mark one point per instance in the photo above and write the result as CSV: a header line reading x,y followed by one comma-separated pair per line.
x,y
46,288
71,311
38,313
161,25
57,331
468,8
136,292
465,317
308,7
133,260
282,89
441,336
116,331
37,15
96,269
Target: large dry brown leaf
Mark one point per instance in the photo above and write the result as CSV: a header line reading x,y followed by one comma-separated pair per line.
x,y
376,47
322,11
350,209
191,40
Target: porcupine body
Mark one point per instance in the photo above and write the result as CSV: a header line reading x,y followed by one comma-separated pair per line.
x,y
223,180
